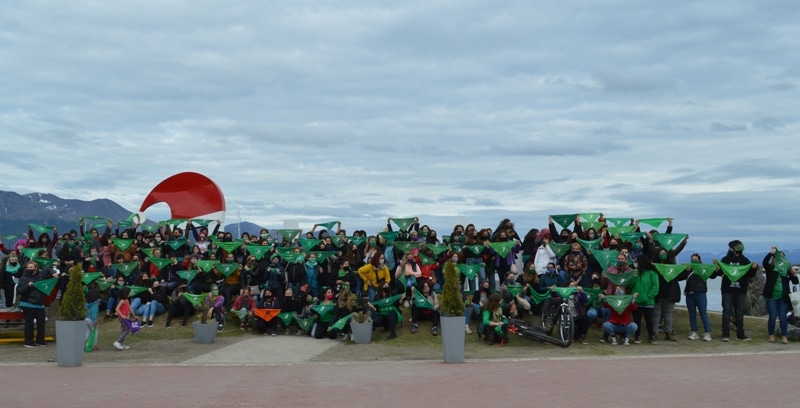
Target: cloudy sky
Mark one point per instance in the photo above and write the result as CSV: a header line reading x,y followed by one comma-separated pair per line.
x,y
453,111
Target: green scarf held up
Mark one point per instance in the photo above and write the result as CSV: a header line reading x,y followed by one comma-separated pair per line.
x,y
188,275
258,251
668,271
782,265
125,268
597,225
620,279
537,297
437,249
207,265
559,249
308,244
564,220
734,272
515,290
403,223
289,234
469,270
341,323
653,222
421,300
590,245
42,229
618,221
46,286
194,299
406,246
328,225
591,217
669,241
389,236
502,248
122,243
619,302
704,271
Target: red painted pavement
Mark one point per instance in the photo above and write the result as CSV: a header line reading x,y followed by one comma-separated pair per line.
x,y
676,382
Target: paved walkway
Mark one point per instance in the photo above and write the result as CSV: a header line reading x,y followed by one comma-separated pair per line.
x,y
222,378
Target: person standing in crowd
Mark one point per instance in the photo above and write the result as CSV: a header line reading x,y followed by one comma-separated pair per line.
x,y
32,303
646,285
776,294
696,291
734,293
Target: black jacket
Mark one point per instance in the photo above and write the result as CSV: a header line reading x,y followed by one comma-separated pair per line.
x,y
772,277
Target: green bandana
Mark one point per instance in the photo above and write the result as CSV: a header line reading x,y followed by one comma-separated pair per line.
x,y
669,241
670,272
619,302
46,286
564,220
421,300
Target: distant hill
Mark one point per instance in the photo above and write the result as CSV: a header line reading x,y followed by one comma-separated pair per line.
x,y
17,211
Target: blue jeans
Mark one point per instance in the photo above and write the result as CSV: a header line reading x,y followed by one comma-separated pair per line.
x,y
371,293
147,310
594,312
777,308
698,302
612,329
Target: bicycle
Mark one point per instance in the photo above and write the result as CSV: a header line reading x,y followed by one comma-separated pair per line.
x,y
556,313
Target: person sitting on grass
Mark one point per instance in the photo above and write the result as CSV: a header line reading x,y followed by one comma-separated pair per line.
x,y
386,316
178,305
245,303
216,307
418,313
494,324
619,323
268,301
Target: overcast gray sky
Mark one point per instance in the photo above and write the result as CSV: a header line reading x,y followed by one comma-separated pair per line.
x,y
453,111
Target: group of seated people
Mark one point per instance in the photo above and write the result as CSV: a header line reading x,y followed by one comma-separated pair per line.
x,y
317,279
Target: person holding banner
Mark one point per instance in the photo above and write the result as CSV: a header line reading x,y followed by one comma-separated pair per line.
x,y
619,321
32,303
425,304
778,273
696,299
736,271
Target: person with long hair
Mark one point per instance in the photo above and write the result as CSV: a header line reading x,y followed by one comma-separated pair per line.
x,y
32,303
696,291
776,294
373,272
492,318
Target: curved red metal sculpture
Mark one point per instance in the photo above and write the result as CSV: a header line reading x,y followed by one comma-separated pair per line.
x,y
188,195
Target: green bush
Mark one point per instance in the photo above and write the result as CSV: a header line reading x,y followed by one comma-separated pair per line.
x,y
73,300
451,303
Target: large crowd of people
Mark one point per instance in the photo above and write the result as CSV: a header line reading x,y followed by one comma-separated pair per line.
x,y
624,272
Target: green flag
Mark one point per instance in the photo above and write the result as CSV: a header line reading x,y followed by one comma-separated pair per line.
x,y
564,220
90,277
44,262
328,225
421,300
537,297
387,302
46,286
177,243
704,271
620,279
150,227
669,271
227,269
405,246
286,317
324,311
357,241
323,255
618,222
148,252
625,229
126,268
42,229
403,223
425,260
289,234
308,244
559,249
591,217
30,253
135,290
305,324
288,256
469,270
10,237
389,236
590,244
631,236
669,241
341,323
592,294
337,240
98,225
194,299
241,314
104,284
94,218
202,223
734,272
437,249
475,249
514,290
173,222
619,302
188,275
502,248
207,265
653,222
229,247
122,243
258,251
589,224
124,225
606,258
456,247
160,263
782,265
565,292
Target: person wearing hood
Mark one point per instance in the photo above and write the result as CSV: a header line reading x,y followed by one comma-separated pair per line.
x,y
10,270
734,293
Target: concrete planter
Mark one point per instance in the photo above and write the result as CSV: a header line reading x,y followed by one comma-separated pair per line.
x,y
362,332
204,333
70,342
453,339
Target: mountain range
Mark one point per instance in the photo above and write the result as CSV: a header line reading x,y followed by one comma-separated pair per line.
x,y
17,211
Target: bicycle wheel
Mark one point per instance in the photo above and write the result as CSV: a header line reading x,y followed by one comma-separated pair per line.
x,y
566,328
549,317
